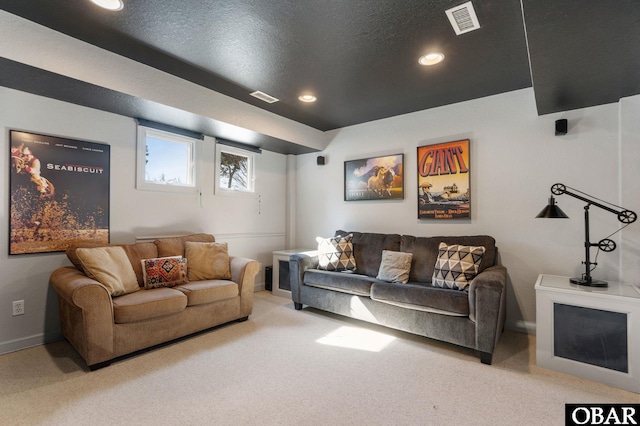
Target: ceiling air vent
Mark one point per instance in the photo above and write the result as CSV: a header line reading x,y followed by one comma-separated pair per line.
x,y
264,97
463,18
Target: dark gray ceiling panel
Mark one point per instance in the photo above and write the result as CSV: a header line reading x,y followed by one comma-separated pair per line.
x,y
583,52
359,57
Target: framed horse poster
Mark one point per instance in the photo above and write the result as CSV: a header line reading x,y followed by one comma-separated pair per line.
x,y
443,181
376,178
59,191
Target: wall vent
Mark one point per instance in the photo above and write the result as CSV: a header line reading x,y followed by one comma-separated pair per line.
x,y
463,18
264,97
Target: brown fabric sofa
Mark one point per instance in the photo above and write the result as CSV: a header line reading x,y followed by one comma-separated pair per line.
x,y
102,327
473,318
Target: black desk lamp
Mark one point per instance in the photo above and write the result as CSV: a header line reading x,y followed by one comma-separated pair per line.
x,y
553,211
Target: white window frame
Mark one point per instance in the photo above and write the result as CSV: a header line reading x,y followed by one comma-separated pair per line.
x,y
251,167
192,144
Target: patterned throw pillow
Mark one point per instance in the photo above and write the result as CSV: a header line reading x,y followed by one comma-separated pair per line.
x,y
164,272
457,266
336,254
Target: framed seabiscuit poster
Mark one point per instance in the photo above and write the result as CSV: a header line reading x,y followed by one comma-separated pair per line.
x,y
59,191
444,190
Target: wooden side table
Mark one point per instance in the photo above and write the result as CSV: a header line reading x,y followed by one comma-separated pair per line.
x,y
281,284
589,332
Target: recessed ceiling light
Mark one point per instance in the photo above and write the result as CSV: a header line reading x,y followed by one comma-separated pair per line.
x,y
307,98
109,4
431,58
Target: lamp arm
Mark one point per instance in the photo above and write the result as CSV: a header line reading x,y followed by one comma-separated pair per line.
x,y
624,216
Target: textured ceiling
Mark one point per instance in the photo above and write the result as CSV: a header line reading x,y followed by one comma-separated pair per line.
x,y
583,52
359,57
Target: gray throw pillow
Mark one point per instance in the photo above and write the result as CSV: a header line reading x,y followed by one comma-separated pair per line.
x,y
395,266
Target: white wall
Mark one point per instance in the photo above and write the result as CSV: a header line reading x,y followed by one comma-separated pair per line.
x,y
250,231
515,158
630,188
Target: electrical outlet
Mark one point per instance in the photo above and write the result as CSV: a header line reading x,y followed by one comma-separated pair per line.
x,y
18,307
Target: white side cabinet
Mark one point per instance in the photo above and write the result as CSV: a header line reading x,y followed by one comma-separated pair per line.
x,y
281,286
589,332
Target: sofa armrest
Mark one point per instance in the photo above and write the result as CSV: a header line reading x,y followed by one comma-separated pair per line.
x,y
72,285
243,273
487,306
86,314
298,265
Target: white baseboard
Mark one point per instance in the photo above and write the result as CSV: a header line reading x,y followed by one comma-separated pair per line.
x,y
258,287
29,342
521,326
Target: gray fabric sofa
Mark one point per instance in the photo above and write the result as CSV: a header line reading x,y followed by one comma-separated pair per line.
x,y
473,318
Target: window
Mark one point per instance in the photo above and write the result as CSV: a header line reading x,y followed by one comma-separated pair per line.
x,y
166,161
235,169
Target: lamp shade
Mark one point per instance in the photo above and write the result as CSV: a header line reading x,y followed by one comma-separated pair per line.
x,y
552,211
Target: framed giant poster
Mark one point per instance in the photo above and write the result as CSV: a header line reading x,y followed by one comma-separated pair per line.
x,y
59,191
444,190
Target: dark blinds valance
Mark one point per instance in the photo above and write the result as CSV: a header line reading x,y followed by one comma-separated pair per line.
x,y
240,145
170,129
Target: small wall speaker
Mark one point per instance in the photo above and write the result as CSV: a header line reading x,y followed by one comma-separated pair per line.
x,y
320,160
561,127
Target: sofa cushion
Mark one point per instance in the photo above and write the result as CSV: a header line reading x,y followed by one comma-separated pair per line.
x,y
137,252
174,246
395,266
208,291
457,266
111,267
423,297
425,253
164,272
345,282
207,261
147,304
336,254
73,256
367,249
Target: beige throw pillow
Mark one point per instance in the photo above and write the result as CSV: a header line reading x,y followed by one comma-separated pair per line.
x,y
207,261
111,267
395,266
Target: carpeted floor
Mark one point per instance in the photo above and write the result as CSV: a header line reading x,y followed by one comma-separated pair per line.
x,y
286,367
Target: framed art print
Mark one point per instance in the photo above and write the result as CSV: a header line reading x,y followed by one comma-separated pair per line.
x,y
444,190
375,178
59,192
